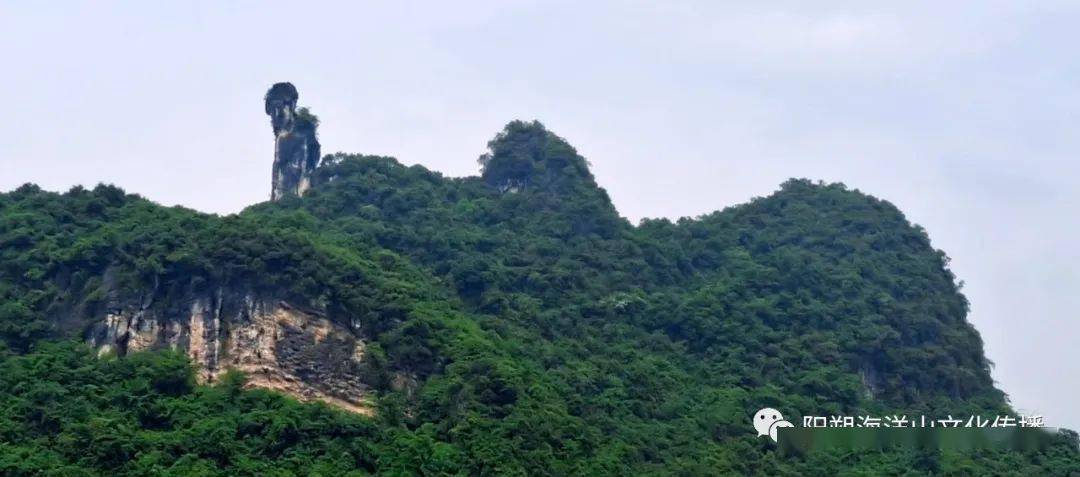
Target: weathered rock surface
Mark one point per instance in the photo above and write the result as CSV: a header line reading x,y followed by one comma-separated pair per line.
x,y
277,345
296,147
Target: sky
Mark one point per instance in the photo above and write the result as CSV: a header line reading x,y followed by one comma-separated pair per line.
x,y
960,113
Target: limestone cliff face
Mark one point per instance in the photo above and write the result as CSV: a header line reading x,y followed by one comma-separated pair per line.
x,y
277,345
296,146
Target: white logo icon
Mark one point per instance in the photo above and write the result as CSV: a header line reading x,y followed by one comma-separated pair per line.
x,y
768,420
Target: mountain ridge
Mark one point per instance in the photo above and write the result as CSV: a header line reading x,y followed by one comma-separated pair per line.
x,y
513,323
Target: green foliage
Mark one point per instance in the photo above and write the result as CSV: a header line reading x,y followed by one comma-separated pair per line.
x,y
516,325
68,413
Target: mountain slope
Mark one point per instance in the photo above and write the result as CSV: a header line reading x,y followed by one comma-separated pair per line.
x,y
511,324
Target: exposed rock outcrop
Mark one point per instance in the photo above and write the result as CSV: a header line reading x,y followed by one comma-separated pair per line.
x,y
296,147
277,345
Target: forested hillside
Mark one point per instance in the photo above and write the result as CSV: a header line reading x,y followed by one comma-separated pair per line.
x,y
515,324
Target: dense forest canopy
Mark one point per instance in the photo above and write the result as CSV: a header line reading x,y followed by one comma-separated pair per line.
x,y
516,325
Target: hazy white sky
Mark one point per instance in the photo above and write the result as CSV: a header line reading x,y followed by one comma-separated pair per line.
x,y
960,113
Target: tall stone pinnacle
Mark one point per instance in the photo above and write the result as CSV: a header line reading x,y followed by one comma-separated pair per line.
x,y
296,147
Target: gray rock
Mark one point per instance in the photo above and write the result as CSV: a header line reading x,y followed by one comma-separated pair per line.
x,y
296,147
